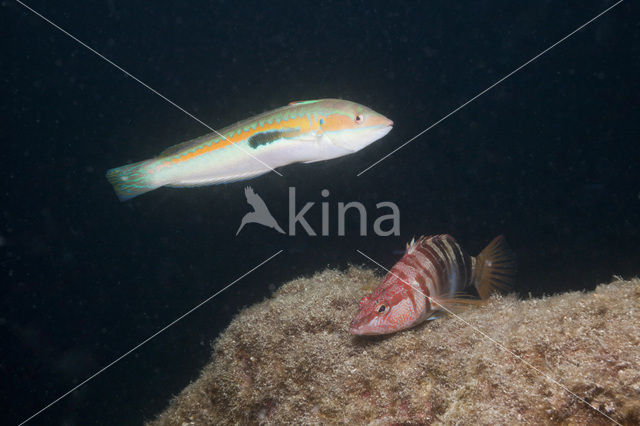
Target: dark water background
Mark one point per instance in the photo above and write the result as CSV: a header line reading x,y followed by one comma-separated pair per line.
x,y
549,158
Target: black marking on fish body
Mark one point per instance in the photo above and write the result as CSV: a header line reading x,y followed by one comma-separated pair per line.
x,y
458,274
265,138
452,269
458,267
437,262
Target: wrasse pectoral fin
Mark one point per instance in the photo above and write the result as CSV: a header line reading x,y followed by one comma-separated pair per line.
x,y
456,302
495,268
319,137
131,180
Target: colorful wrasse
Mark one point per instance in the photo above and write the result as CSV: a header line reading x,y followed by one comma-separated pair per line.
x,y
433,273
305,132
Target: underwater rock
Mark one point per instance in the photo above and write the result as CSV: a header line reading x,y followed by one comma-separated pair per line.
x,y
291,359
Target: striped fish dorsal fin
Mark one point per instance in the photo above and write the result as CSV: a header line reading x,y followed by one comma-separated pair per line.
x,y
414,243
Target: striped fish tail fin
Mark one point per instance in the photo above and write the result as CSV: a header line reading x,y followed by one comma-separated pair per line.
x,y
131,180
494,268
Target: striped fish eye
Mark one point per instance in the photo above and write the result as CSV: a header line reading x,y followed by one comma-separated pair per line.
x,y
381,308
359,118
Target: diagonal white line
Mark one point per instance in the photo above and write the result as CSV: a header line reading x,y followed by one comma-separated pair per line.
x,y
500,345
128,74
147,340
491,87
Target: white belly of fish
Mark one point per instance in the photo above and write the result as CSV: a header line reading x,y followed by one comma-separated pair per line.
x,y
240,161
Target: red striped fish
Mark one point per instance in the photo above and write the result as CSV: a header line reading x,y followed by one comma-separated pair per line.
x,y
434,273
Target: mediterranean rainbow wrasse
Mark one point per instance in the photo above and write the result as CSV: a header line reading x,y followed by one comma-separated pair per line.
x,y
433,275
301,132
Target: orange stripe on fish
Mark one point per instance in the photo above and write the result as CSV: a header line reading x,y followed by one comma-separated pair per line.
x,y
297,123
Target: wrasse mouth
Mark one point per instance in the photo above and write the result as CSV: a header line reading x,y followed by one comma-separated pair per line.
x,y
356,332
354,328
362,330
381,122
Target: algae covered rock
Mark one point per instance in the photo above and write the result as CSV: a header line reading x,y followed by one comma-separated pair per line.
x,y
291,359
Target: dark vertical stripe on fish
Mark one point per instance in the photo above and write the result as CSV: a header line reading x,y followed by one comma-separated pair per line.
x,y
448,247
432,252
450,266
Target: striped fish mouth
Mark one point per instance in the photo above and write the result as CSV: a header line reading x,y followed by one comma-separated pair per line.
x,y
356,330
368,330
354,140
386,129
357,327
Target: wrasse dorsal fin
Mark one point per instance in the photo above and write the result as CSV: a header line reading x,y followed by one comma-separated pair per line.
x,y
303,102
414,243
494,268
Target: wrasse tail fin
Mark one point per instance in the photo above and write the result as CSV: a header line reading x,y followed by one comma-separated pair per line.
x,y
131,180
495,268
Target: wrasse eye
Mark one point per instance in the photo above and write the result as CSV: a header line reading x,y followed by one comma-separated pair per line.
x,y
359,118
381,309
